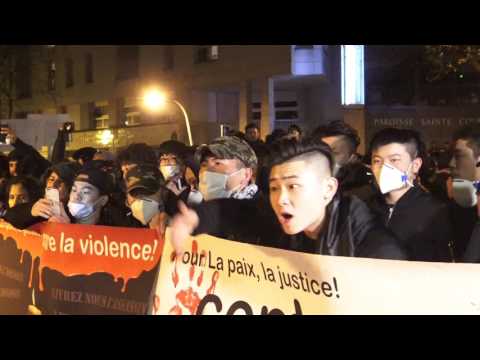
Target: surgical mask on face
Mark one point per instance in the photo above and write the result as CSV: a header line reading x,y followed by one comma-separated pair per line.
x,y
144,210
80,210
214,185
194,198
392,179
465,192
169,171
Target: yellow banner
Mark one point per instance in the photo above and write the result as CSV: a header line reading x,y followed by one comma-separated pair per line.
x,y
218,276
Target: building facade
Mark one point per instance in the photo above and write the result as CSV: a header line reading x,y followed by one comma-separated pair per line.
x,y
101,89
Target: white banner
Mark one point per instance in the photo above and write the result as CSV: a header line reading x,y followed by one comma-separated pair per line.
x,y
222,277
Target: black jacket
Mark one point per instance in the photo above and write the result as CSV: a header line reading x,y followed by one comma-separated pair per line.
x,y
352,229
20,216
356,179
421,223
58,152
464,220
31,163
472,254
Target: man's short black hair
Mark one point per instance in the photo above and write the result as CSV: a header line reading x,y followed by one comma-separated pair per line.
x,y
276,135
470,133
286,149
339,128
252,126
86,154
411,138
137,154
294,127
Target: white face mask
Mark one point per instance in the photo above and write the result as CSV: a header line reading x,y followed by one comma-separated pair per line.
x,y
80,210
465,192
169,171
392,179
194,198
144,210
214,185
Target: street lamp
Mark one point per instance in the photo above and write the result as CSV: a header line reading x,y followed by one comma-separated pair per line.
x,y
155,101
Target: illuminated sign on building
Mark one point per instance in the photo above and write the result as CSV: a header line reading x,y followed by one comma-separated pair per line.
x,y
353,75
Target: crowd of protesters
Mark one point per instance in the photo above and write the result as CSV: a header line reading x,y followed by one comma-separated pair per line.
x,y
311,193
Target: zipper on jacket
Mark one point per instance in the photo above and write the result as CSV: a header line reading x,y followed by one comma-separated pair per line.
x,y
390,213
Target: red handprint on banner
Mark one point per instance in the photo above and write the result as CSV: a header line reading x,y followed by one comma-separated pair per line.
x,y
189,298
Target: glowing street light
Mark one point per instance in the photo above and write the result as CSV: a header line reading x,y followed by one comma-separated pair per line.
x,y
154,100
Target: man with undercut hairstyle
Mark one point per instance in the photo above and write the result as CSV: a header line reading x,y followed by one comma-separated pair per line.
x,y
304,212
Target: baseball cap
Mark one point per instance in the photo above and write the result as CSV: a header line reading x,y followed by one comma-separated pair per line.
x,y
146,177
96,177
228,147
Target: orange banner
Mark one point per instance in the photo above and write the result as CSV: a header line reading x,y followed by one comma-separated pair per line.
x,y
124,253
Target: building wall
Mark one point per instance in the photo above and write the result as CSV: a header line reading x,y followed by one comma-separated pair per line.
x,y
210,91
235,63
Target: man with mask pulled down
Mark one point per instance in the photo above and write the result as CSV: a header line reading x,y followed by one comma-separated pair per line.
x,y
89,200
420,222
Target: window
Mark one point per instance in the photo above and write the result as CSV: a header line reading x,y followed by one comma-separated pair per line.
x,y
132,112
51,75
101,118
127,62
301,47
285,110
206,54
353,88
69,72
101,122
168,57
89,68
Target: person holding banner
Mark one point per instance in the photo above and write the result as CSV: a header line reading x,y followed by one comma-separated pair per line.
x,y
58,177
305,213
421,222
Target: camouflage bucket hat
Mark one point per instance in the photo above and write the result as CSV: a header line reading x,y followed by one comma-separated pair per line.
x,y
228,147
